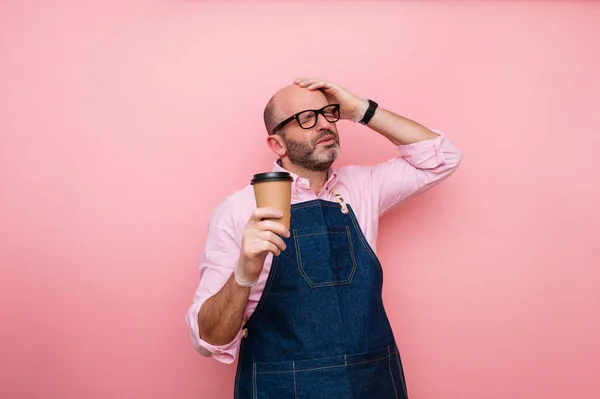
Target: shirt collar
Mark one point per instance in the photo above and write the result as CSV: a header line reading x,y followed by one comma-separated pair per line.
x,y
332,176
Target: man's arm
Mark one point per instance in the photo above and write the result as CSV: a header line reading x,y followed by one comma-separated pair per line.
x,y
220,316
426,157
398,129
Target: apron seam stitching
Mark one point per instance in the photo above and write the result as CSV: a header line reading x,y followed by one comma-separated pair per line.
x,y
391,375
355,265
401,371
254,393
324,367
295,391
299,260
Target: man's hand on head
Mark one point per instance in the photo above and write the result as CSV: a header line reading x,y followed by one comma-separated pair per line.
x,y
352,107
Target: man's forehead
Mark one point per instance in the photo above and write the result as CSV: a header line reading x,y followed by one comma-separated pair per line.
x,y
292,99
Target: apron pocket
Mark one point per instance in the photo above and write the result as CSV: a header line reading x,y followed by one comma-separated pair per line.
x,y
271,385
371,379
376,374
325,257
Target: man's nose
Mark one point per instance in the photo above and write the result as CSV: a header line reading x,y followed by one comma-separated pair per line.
x,y
322,123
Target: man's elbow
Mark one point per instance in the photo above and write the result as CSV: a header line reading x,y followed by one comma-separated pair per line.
x,y
213,336
216,339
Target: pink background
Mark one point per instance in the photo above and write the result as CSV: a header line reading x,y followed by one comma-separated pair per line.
x,y
123,124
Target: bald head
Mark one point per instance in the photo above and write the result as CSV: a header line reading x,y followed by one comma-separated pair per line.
x,y
270,115
289,100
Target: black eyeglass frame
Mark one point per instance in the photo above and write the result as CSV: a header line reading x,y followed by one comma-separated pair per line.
x,y
317,112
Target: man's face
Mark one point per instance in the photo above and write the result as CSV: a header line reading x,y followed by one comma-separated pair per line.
x,y
311,138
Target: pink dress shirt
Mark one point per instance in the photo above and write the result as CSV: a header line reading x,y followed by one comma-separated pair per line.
x,y
370,190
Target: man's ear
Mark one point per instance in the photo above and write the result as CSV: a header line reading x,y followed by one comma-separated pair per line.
x,y
277,145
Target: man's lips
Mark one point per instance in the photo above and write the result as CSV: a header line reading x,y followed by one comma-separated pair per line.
x,y
326,138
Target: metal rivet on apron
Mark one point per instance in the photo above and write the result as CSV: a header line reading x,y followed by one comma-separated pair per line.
x,y
339,199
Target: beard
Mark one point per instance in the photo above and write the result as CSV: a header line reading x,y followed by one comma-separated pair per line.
x,y
306,155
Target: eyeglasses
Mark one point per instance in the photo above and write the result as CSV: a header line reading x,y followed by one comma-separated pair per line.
x,y
307,119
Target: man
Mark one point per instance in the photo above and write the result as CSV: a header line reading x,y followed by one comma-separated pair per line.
x,y
304,305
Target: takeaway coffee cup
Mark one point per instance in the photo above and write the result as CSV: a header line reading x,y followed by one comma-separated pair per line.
x,y
274,190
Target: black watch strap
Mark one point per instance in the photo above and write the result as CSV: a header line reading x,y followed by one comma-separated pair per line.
x,y
370,112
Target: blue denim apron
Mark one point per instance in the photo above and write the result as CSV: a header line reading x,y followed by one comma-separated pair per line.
x,y
320,329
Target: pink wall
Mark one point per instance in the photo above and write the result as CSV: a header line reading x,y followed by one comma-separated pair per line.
x,y
122,125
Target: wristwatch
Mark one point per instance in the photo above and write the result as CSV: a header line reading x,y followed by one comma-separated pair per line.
x,y
370,112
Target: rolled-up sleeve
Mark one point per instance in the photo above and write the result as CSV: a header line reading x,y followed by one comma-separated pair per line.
x,y
419,166
218,260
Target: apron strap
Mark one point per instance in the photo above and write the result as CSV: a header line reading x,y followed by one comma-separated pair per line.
x,y
339,199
